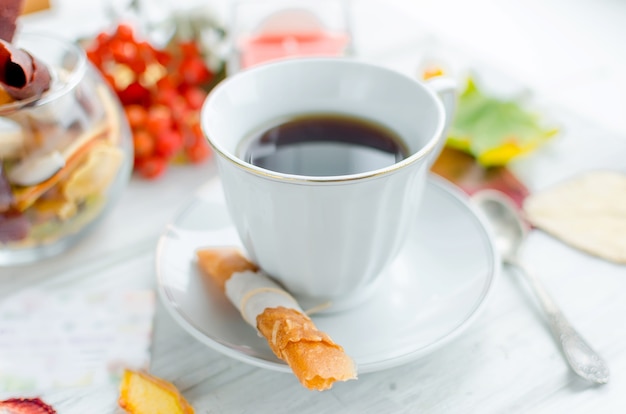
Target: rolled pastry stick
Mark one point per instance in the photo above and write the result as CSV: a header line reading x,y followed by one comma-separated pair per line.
x,y
312,355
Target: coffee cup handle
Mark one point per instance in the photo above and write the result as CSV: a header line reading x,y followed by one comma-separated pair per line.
x,y
446,89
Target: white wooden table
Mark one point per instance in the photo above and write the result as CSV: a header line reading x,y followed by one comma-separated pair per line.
x,y
506,361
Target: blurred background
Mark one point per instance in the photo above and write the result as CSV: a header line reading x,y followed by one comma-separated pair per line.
x,y
568,51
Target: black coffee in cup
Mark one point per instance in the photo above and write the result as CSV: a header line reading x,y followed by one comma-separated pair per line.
x,y
324,145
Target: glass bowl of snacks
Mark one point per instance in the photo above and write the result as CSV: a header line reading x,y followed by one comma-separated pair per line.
x,y
65,147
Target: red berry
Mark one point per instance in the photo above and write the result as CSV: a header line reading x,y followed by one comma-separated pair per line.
x,y
167,82
151,167
125,32
189,48
179,109
123,52
102,39
198,152
194,71
94,57
168,143
165,95
136,115
159,119
135,93
163,57
162,109
137,65
144,143
195,98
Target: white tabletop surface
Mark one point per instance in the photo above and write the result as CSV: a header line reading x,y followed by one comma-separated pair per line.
x,y
570,55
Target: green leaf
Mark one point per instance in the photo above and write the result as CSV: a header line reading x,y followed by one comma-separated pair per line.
x,y
495,130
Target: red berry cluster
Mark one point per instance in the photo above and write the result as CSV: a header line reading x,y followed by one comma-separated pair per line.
x,y
162,92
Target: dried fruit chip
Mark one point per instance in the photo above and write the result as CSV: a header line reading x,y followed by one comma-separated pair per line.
x,y
61,208
6,195
26,196
95,175
9,10
25,406
5,98
142,393
14,226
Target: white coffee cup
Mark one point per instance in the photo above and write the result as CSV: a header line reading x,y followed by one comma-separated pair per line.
x,y
325,238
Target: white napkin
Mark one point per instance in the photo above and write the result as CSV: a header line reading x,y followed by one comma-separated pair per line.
x,y
56,339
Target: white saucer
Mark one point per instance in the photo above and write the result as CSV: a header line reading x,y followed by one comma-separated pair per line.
x,y
433,290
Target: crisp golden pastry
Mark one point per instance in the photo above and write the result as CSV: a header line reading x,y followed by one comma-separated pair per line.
x,y
221,262
314,358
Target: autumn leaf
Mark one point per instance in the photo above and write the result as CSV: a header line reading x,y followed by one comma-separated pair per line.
x,y
461,169
495,130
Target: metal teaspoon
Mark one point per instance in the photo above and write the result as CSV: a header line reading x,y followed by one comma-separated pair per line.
x,y
510,233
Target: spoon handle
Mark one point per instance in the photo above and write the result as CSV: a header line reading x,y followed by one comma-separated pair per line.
x,y
580,356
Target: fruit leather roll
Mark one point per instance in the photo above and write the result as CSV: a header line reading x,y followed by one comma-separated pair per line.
x,y
22,76
312,355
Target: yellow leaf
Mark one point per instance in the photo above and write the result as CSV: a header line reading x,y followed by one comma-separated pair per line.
x,y
502,154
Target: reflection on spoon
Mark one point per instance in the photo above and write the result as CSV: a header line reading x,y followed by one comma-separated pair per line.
x,y
510,233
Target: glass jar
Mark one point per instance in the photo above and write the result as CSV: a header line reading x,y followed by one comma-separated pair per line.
x,y
270,30
64,157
